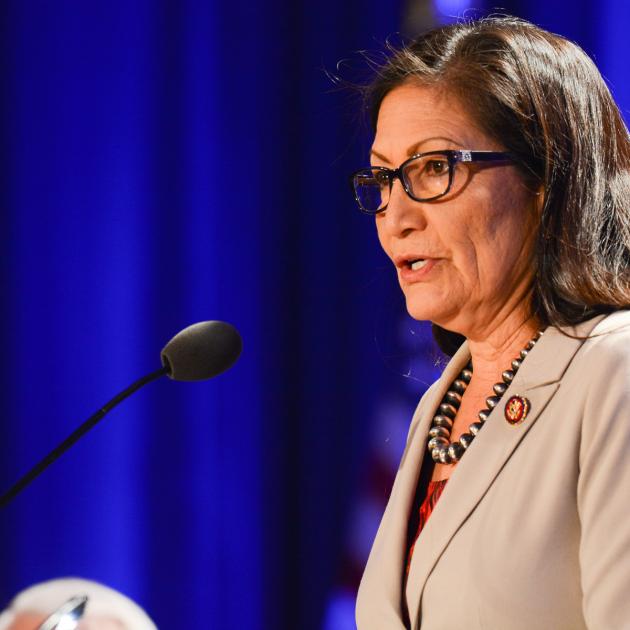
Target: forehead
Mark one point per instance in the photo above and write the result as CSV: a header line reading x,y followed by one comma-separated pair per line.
x,y
414,118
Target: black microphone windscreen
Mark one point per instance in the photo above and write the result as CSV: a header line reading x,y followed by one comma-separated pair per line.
x,y
202,351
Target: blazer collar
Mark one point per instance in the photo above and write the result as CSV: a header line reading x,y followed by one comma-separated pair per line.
x,y
538,380
380,593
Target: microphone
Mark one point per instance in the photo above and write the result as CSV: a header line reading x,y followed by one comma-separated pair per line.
x,y
199,352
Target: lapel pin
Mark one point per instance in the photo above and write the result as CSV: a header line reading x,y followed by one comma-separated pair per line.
x,y
516,409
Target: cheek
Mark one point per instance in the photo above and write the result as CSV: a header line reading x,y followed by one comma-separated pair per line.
x,y
492,238
380,232
508,249
465,248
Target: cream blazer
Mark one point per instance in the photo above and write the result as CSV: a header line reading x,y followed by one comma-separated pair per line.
x,y
532,531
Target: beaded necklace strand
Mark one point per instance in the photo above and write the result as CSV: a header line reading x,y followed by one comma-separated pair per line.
x,y
442,450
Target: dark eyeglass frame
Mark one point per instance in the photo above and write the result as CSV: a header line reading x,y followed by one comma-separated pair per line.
x,y
452,158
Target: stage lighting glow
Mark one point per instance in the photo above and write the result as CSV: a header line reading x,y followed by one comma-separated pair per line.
x,y
452,7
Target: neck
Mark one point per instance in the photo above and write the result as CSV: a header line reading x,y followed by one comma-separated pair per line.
x,y
493,353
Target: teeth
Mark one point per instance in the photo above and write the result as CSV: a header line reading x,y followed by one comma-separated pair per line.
x,y
418,264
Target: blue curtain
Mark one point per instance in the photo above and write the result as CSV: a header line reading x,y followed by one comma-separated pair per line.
x,y
600,28
166,163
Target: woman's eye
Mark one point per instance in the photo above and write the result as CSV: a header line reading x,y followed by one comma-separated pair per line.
x,y
436,167
382,178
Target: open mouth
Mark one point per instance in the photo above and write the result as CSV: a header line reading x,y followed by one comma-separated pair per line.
x,y
414,265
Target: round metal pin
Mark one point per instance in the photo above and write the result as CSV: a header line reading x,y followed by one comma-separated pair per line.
x,y
516,409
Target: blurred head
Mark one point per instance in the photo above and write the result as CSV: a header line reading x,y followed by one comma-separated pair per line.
x,y
503,84
106,609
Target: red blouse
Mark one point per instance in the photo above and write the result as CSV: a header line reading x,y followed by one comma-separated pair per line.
x,y
434,490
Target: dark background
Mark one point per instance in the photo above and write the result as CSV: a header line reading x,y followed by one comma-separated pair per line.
x,y
169,162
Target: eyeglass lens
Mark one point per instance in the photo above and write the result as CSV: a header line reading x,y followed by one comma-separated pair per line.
x,y
425,177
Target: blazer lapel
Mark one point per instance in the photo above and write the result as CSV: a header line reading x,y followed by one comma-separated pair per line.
x,y
381,587
537,380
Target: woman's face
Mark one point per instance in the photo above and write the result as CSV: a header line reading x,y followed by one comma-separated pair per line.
x,y
477,241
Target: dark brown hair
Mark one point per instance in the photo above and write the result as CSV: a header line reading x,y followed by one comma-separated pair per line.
x,y
542,98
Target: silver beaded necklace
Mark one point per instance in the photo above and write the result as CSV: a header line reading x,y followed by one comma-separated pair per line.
x,y
441,448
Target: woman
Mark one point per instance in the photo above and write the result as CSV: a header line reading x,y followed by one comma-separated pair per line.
x,y
500,186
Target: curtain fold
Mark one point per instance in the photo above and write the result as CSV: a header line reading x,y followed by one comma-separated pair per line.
x,y
166,163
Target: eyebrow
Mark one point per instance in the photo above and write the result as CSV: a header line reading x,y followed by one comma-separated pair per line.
x,y
413,149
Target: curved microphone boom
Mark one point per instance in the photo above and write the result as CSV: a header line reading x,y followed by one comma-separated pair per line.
x,y
199,352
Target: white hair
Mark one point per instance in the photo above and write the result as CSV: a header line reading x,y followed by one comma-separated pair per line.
x,y
46,597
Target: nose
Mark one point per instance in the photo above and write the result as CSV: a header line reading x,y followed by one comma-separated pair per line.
x,y
403,215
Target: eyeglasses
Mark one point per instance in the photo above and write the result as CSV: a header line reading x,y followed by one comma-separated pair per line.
x,y
424,177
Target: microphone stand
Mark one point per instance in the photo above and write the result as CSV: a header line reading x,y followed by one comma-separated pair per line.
x,y
91,422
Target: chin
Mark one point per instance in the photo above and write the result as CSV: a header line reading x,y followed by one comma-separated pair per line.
x,y
424,303
424,310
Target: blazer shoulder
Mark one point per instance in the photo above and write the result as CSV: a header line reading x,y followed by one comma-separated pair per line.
x,y
597,383
608,343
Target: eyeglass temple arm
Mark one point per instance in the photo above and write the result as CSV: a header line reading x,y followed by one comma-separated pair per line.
x,y
483,156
